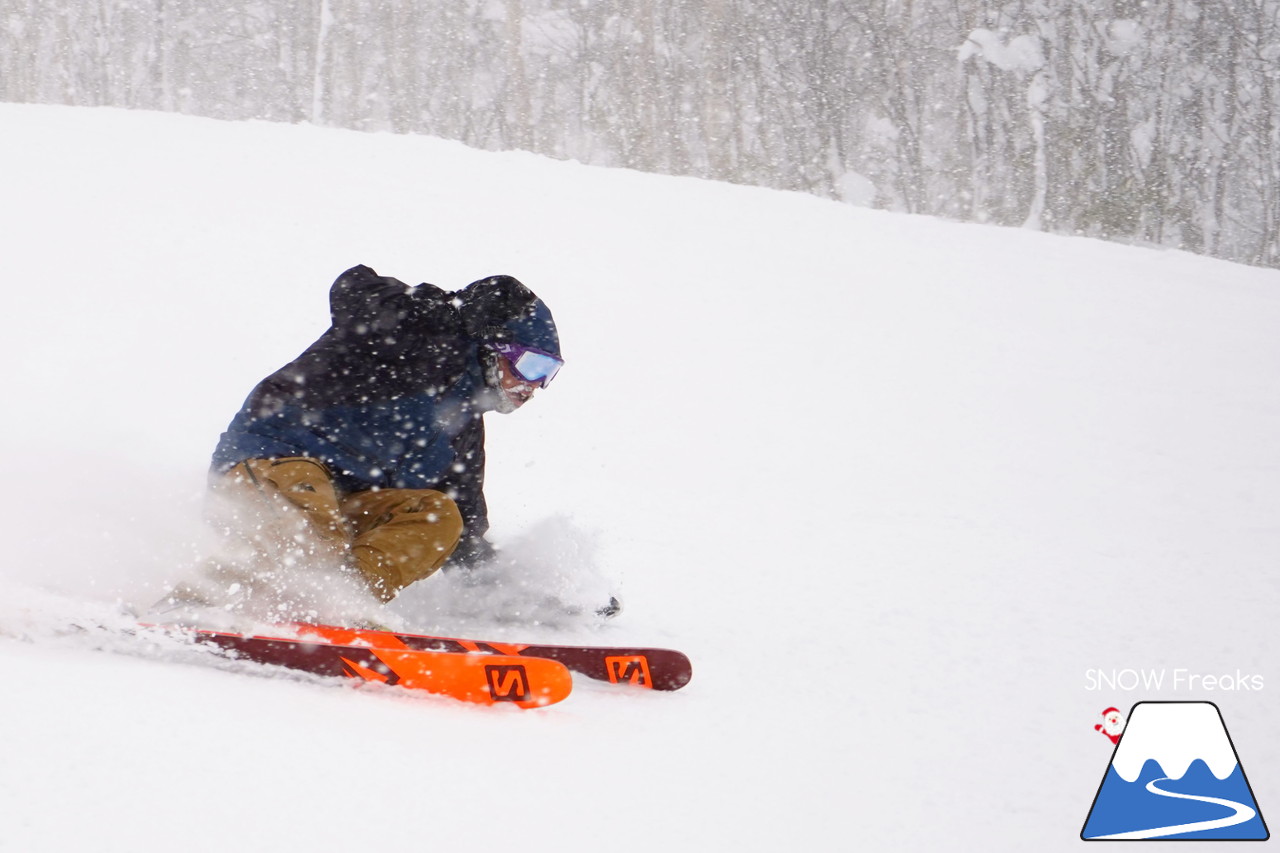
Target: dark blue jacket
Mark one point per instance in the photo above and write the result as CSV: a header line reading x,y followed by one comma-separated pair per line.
x,y
392,395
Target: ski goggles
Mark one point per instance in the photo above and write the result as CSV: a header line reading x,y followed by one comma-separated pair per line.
x,y
531,365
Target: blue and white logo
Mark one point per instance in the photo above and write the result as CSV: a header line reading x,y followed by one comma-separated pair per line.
x,y
1175,774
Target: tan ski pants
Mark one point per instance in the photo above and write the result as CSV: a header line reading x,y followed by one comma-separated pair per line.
x,y
393,537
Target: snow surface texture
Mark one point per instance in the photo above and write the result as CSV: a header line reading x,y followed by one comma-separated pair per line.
x,y
893,483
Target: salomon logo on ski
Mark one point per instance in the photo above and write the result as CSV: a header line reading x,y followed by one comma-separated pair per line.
x,y
507,683
631,669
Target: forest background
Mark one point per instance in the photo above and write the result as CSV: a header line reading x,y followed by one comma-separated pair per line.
x,y
1145,121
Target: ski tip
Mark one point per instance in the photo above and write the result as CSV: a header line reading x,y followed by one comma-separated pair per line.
x,y
656,669
524,682
483,679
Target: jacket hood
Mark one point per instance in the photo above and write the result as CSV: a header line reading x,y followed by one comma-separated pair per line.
x,y
500,309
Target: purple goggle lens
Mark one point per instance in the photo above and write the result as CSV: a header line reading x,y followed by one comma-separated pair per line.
x,y
531,365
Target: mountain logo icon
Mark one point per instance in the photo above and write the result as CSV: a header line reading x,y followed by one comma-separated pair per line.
x,y
1175,774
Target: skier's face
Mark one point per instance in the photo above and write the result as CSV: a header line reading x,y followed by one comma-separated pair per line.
x,y
518,390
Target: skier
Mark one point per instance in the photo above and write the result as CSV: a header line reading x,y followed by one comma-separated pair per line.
x,y
367,451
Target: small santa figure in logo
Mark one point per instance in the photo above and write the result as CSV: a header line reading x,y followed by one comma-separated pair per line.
x,y
1112,724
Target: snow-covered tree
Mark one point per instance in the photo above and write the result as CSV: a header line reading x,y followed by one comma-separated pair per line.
x,y
1124,119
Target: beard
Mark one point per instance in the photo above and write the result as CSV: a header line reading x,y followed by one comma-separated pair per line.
x,y
502,404
493,397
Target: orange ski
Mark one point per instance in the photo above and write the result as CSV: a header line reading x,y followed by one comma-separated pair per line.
x,y
486,679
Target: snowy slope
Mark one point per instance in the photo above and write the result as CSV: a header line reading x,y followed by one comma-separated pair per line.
x,y
894,484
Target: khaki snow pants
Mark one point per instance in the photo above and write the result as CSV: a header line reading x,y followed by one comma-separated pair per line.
x,y
393,537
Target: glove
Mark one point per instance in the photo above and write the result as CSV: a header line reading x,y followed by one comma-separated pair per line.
x,y
472,553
